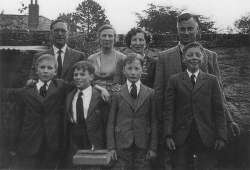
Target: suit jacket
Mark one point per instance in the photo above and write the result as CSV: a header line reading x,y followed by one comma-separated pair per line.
x,y
95,122
132,120
202,104
169,63
70,58
40,119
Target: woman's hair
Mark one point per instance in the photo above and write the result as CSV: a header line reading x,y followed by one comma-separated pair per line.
x,y
133,32
47,57
105,27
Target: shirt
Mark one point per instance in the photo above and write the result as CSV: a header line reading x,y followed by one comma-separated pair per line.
x,y
196,74
138,85
40,83
56,50
86,97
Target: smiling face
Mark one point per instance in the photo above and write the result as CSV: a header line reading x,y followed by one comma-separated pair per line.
x,y
133,71
138,43
107,38
193,58
59,34
46,70
187,31
82,79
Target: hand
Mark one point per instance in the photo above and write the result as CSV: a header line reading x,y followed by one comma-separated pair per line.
x,y
219,144
30,82
114,155
116,88
150,155
234,128
170,143
12,153
105,94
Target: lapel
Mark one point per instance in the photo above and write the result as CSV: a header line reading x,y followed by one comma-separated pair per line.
x,y
187,81
67,61
51,88
127,97
141,97
201,79
69,104
93,102
35,93
204,65
177,58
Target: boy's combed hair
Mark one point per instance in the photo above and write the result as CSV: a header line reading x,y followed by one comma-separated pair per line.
x,y
47,57
131,57
133,32
84,65
191,45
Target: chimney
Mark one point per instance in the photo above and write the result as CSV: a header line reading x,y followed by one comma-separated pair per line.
x,y
33,18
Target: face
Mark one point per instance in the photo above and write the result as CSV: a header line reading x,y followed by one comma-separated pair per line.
x,y
138,43
82,79
193,58
46,70
107,38
59,34
133,71
187,31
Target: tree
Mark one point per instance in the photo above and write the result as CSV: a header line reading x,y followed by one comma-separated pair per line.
x,y
162,19
90,16
243,24
159,19
72,21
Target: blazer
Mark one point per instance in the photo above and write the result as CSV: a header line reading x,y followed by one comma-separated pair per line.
x,y
40,118
95,122
169,63
202,104
70,58
132,121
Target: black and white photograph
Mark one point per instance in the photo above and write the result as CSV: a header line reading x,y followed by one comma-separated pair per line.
x,y
124,85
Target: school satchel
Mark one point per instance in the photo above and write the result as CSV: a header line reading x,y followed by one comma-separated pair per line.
x,y
92,158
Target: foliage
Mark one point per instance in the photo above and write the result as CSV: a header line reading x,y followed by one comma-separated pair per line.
x,y
162,19
243,24
72,21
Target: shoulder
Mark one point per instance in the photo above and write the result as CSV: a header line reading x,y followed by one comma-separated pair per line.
x,y
93,57
168,53
176,76
120,55
209,52
75,52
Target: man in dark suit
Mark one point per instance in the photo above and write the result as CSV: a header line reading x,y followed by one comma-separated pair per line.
x,y
132,125
64,55
194,119
85,126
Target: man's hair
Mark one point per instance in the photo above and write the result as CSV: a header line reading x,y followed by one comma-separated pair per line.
x,y
47,57
85,66
133,32
105,27
186,17
56,21
132,57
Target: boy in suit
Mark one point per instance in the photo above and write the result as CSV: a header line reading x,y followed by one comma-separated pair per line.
x,y
38,142
132,125
194,121
86,113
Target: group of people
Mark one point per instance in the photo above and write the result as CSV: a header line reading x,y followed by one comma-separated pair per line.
x,y
149,113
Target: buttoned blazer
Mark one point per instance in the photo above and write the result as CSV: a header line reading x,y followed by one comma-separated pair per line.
x,y
96,120
132,120
70,58
40,118
169,63
202,104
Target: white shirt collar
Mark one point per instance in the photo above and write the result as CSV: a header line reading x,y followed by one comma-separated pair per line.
x,y
196,73
56,49
40,83
86,91
138,85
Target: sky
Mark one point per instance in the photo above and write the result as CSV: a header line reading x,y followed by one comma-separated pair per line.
x,y
121,13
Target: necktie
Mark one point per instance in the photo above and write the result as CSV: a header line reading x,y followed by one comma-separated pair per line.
x,y
59,61
43,90
79,109
193,79
133,91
